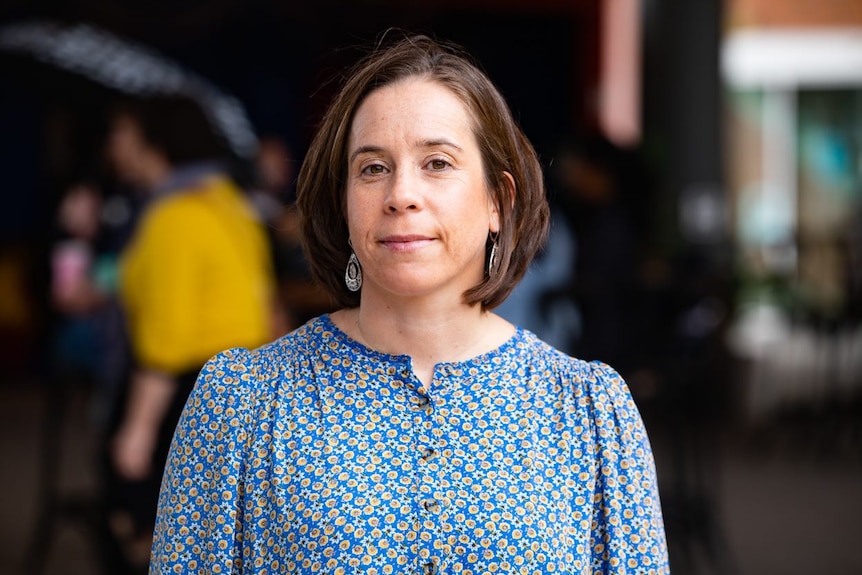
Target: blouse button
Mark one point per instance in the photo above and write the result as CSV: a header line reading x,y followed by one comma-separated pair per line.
x,y
424,401
428,453
429,568
431,506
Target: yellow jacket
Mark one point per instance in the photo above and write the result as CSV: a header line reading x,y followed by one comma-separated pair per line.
x,y
196,278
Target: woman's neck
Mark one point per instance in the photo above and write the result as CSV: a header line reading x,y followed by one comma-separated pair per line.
x,y
429,334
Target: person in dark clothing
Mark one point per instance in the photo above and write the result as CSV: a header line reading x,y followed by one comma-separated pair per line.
x,y
598,197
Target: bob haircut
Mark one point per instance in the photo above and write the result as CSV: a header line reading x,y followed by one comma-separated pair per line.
x,y
502,144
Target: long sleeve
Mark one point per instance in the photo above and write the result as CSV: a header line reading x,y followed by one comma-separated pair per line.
x,y
627,528
199,525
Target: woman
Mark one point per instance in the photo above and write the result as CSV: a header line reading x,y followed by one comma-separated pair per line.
x,y
413,431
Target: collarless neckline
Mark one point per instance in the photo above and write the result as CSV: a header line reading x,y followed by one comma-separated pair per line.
x,y
505,348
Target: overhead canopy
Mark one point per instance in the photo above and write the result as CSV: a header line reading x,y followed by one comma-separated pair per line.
x,y
129,68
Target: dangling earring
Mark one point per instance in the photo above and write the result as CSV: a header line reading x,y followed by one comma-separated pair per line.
x,y
353,273
493,257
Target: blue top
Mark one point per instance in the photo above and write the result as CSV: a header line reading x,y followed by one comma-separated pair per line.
x,y
316,454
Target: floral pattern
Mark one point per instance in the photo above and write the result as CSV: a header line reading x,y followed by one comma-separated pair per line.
x,y
315,454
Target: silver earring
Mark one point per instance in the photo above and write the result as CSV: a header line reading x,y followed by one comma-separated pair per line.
x,y
353,273
492,259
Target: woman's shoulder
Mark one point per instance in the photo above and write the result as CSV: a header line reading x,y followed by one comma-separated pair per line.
x,y
256,367
594,390
296,346
544,355
583,377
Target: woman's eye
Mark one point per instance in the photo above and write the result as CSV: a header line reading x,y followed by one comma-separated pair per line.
x,y
373,169
438,164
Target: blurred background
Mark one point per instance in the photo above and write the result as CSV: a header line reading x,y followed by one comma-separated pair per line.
x,y
704,164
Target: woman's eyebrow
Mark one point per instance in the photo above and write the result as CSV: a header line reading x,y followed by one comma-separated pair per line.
x,y
439,142
365,150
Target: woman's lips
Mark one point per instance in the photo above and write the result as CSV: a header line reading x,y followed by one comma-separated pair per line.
x,y
405,243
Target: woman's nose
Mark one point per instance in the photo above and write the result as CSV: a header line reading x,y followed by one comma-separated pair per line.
x,y
403,193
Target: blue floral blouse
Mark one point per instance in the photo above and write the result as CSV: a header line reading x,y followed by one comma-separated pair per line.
x,y
316,454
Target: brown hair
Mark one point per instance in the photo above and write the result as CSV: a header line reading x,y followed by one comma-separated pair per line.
x,y
503,146
177,126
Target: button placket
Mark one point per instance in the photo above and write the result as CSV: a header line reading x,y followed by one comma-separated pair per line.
x,y
428,508
423,402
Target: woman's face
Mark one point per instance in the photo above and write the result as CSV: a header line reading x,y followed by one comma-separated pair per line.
x,y
418,207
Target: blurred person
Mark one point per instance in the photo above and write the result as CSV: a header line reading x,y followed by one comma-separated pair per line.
x,y
601,199
75,294
195,278
78,222
93,226
413,430
84,286
88,348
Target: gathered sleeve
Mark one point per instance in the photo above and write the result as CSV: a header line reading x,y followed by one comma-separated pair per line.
x,y
199,522
627,527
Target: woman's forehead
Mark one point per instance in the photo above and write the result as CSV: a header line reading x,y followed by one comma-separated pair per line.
x,y
418,108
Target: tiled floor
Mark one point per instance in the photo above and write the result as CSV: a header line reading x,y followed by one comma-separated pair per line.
x,y
783,505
